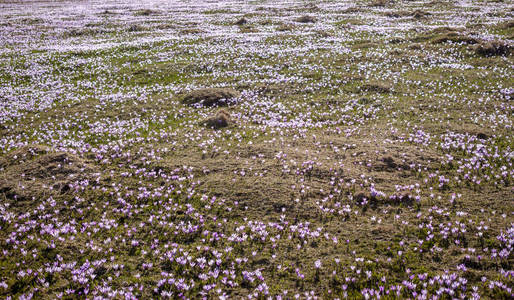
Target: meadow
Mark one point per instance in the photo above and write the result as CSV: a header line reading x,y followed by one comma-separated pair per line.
x,y
257,149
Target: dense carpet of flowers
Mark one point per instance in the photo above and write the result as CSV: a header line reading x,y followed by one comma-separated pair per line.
x,y
369,155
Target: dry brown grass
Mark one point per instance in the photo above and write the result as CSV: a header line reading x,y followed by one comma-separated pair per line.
x,y
37,171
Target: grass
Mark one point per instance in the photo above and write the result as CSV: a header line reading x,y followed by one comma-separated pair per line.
x,y
350,164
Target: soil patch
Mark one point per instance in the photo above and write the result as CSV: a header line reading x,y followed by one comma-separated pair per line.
x,y
211,97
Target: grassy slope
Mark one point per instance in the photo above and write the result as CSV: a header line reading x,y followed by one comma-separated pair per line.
x,y
331,112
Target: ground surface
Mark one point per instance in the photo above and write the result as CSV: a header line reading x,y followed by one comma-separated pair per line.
x,y
368,152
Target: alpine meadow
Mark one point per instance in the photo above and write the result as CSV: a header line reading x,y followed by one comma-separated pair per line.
x,y
258,149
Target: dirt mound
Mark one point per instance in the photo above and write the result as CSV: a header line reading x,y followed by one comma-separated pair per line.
x,y
415,47
455,37
83,32
145,12
220,120
420,14
211,97
353,9
35,170
306,19
376,87
397,14
437,33
417,14
135,28
241,21
107,12
248,29
492,48
444,29
192,31
380,3
285,27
